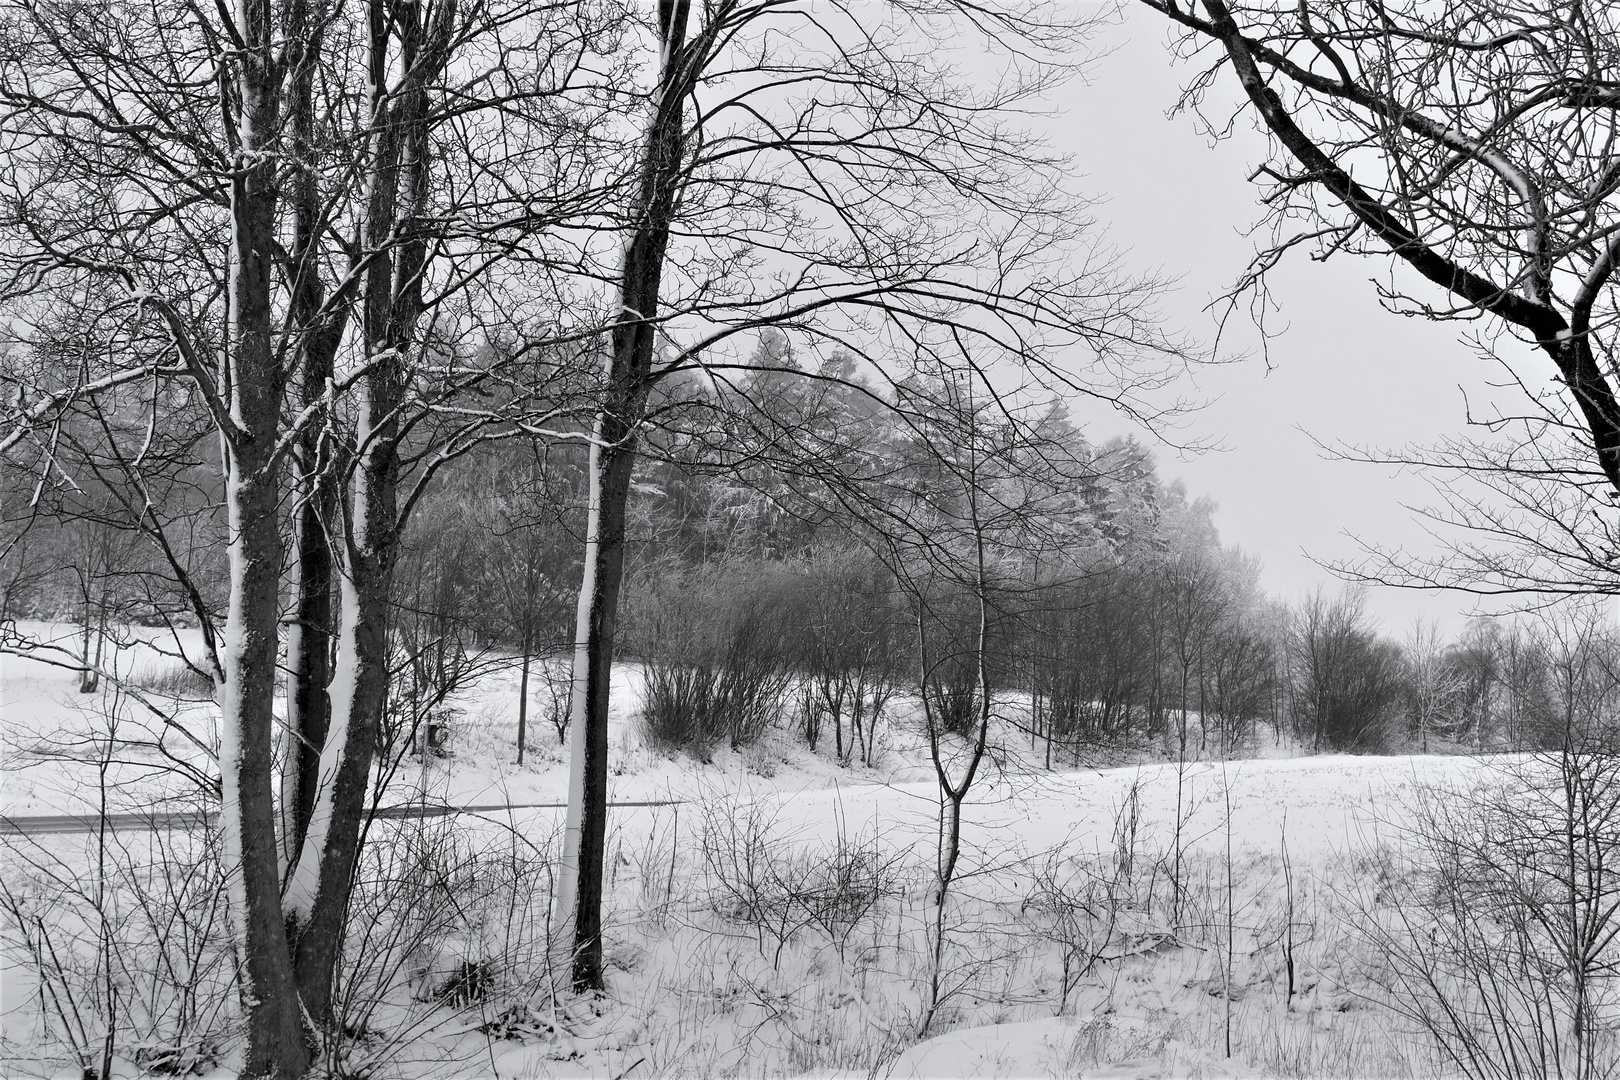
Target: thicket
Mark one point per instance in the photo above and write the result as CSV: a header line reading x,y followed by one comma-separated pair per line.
x,y
1496,934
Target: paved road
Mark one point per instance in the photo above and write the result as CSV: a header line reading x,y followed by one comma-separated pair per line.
x,y
50,824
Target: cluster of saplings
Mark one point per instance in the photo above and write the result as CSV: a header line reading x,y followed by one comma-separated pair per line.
x,y
822,645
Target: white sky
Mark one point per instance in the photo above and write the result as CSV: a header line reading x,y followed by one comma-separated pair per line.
x,y
1344,370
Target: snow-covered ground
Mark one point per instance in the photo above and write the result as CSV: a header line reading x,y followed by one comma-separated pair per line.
x,y
775,918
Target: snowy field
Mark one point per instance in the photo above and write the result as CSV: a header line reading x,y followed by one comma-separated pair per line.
x,y
772,919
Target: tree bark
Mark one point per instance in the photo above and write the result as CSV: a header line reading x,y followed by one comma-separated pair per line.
x,y
309,643
612,458
523,689
320,328
319,886
277,1043
585,841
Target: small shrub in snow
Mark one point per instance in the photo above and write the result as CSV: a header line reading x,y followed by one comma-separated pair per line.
x,y
716,671
557,690
130,957
698,707
440,922
760,876
1501,938
471,982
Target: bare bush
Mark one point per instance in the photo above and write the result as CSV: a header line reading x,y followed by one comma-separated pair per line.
x,y
697,707
443,924
129,957
1498,939
761,876
952,691
1098,907
126,944
850,645
557,684
716,671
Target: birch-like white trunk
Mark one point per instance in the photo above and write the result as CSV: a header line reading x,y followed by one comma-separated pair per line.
x,y
567,898
303,882
317,892
612,459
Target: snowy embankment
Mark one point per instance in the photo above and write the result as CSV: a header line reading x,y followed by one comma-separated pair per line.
x,y
1138,921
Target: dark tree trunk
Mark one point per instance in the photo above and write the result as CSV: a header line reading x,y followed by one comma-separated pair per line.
x,y
319,887
523,691
606,571
277,1044
89,677
613,455
318,895
320,331
309,650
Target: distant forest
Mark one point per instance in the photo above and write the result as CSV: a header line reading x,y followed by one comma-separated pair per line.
x,y
766,589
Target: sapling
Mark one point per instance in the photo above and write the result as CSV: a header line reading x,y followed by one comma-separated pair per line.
x,y
953,793
1184,810
1226,973
1288,926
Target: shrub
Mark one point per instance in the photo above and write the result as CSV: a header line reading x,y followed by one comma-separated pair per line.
x,y
176,680
696,707
131,956
850,644
441,919
953,696
759,877
1499,940
715,661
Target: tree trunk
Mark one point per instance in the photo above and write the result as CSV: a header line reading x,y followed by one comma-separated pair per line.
x,y
319,887
320,331
277,1044
1203,714
523,691
317,896
1046,719
89,677
309,648
838,727
579,889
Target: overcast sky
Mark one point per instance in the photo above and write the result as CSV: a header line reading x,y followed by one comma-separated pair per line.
x,y
1343,370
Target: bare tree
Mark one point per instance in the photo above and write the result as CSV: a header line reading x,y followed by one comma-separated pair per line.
x,y
1196,601
1346,679
181,202
971,508
852,648
1474,146
809,188
1433,685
